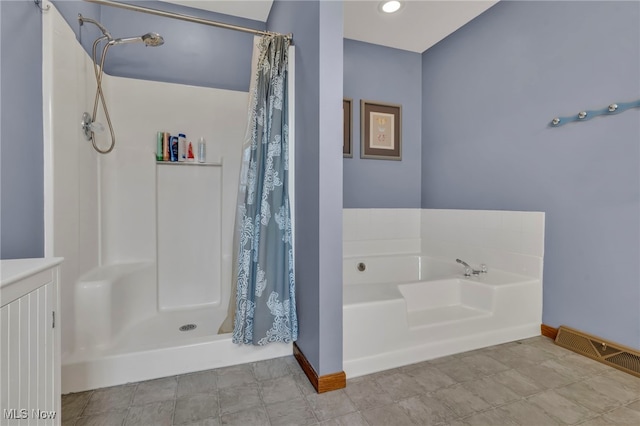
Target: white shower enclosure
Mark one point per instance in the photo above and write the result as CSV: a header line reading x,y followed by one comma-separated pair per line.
x,y
147,245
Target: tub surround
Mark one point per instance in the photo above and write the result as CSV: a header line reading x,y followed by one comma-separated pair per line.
x,y
512,241
403,307
381,231
508,240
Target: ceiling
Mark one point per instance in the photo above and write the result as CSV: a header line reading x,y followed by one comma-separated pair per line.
x,y
417,26
258,10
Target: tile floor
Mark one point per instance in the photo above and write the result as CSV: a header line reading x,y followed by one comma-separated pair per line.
x,y
532,382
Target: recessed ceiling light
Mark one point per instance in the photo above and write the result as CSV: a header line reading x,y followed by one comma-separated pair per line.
x,y
390,6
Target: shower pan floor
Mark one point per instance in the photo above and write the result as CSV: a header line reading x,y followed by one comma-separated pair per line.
x,y
159,331
163,329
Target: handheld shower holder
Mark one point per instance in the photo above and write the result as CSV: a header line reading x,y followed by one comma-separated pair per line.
x,y
86,125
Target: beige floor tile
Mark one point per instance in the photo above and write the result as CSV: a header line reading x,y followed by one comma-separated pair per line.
x,y
109,399
236,375
73,404
279,389
545,377
256,416
490,418
195,408
561,408
291,413
612,388
530,352
156,414
458,371
156,390
351,419
567,368
367,394
330,404
517,382
110,418
598,421
491,391
528,414
592,367
460,401
203,382
213,421
388,415
634,406
304,384
588,397
484,364
549,346
625,379
426,410
623,416
430,378
509,358
239,398
271,369
400,386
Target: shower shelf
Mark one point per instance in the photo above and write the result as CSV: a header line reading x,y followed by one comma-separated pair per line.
x,y
184,163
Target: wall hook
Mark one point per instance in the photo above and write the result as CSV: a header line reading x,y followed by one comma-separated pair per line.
x,y
38,4
585,115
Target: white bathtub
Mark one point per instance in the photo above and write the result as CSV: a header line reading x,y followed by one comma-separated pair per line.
x,y
121,336
410,308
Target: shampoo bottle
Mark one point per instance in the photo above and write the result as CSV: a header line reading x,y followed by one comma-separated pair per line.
x,y
182,147
159,153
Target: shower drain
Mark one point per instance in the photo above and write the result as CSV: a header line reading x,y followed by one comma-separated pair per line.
x,y
188,327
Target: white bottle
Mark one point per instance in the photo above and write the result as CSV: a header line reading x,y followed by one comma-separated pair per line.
x,y
202,150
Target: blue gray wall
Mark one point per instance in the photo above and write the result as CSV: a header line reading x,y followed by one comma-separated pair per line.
x,y
21,171
378,73
489,91
193,54
317,29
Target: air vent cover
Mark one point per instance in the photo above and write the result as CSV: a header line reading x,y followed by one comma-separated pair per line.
x,y
612,354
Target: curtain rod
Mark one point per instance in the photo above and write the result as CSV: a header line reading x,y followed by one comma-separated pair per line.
x,y
182,17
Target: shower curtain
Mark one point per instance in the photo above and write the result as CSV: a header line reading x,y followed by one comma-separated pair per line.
x,y
264,304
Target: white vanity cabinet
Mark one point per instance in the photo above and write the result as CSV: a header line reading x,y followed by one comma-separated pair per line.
x,y
29,342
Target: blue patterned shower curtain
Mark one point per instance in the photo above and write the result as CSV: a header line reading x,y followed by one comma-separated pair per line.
x,y
265,309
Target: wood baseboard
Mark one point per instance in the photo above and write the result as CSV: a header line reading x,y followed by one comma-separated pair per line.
x,y
548,331
326,383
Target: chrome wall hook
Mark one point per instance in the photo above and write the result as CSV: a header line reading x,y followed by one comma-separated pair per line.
x,y
38,4
585,115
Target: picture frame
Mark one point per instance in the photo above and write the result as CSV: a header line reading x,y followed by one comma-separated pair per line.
x,y
380,130
347,123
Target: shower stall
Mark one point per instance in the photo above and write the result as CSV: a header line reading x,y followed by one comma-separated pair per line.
x,y
147,274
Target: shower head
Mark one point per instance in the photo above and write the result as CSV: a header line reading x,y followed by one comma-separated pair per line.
x,y
149,39
153,39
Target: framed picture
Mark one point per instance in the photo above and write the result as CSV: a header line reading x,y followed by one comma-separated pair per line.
x,y
347,111
380,133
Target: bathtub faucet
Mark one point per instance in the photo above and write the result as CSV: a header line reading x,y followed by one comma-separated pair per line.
x,y
468,270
